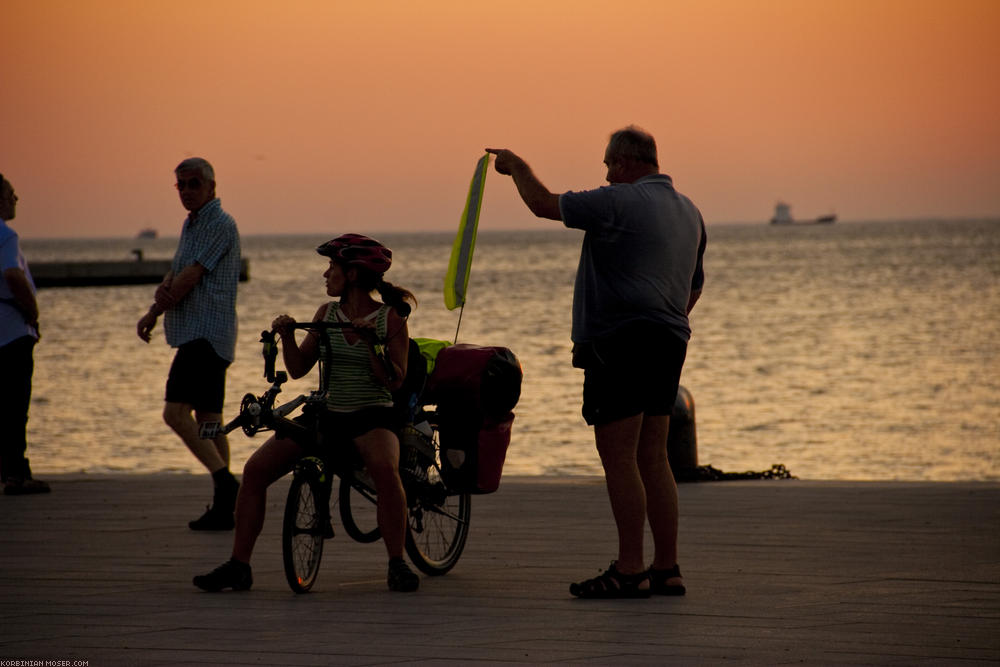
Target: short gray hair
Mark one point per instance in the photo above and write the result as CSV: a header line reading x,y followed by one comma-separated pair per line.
x,y
633,143
199,164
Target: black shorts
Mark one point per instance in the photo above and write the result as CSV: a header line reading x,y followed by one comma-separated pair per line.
x,y
636,371
198,377
343,426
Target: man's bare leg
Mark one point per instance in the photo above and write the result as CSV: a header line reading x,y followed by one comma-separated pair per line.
x,y
661,492
213,454
617,444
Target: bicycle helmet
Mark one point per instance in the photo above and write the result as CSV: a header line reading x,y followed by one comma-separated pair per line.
x,y
358,250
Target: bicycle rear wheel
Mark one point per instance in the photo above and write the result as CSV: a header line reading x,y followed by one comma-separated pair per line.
x,y
359,510
303,529
436,531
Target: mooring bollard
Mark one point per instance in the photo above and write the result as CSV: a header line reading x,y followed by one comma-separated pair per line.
x,y
682,438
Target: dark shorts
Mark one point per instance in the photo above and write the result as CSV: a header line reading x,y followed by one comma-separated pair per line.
x,y
637,371
198,377
343,426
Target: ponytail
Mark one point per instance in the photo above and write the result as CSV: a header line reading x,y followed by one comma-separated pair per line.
x,y
396,297
392,295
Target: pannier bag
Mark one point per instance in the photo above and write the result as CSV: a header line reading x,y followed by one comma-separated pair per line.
x,y
475,388
472,456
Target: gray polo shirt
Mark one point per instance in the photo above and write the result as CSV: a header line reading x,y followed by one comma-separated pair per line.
x,y
641,256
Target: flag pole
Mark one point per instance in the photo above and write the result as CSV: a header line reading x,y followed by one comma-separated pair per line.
x,y
456,279
460,311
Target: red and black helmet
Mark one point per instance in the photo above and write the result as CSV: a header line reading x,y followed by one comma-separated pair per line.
x,y
358,250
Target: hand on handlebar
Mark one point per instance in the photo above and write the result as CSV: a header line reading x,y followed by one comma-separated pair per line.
x,y
362,327
283,325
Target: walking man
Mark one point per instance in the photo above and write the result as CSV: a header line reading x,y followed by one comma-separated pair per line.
x,y
198,300
639,275
18,335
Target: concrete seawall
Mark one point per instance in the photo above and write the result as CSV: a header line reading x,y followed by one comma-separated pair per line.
x,y
87,274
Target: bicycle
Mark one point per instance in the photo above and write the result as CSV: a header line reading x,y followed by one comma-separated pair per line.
x,y
437,515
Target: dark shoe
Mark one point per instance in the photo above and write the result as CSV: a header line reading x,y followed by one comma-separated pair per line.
x,y
658,581
231,574
613,584
213,519
16,486
401,578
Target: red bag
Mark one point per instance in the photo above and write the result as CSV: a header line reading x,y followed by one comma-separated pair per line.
x,y
484,379
475,388
472,457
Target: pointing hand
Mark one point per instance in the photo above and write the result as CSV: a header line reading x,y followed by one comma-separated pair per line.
x,y
506,161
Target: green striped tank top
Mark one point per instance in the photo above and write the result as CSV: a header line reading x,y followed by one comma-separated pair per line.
x,y
351,382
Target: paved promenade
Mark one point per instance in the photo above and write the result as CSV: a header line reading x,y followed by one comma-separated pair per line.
x,y
778,572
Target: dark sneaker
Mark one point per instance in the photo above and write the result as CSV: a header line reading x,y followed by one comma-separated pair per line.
x,y
231,574
401,577
213,519
15,486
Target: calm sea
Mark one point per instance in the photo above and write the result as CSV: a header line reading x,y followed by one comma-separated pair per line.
x,y
864,351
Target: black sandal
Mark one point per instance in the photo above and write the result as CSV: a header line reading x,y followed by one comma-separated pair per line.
x,y
612,584
658,581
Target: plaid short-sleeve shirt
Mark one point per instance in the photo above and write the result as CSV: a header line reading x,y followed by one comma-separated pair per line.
x,y
210,238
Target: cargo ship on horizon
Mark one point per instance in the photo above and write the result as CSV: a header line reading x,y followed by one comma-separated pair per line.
x,y
783,216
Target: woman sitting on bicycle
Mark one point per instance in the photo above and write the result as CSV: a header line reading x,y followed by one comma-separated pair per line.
x,y
359,402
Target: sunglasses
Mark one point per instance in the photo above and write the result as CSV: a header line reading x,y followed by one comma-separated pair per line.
x,y
192,183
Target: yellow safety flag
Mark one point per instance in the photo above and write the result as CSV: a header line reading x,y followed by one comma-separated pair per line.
x,y
456,280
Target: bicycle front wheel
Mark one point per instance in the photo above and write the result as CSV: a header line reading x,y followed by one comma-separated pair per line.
x,y
303,530
436,532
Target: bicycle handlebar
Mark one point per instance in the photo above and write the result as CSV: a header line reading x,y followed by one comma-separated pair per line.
x,y
270,348
321,325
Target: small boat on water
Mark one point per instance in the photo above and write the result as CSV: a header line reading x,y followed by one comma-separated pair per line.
x,y
148,233
783,216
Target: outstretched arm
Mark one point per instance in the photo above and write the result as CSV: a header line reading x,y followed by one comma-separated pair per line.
x,y
536,196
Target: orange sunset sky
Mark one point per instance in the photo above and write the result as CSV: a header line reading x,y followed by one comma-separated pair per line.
x,y
329,116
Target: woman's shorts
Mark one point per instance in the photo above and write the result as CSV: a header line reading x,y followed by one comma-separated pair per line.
x,y
198,377
636,371
343,426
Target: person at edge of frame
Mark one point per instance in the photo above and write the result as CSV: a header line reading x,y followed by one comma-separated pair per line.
x,y
198,300
639,276
18,335
359,404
